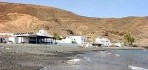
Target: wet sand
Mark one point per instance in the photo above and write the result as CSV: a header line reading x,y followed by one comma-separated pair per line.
x,y
35,57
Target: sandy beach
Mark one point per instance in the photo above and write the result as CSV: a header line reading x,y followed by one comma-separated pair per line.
x,y
35,57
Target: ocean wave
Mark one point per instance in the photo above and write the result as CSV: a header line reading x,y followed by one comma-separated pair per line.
x,y
73,61
117,55
137,68
145,50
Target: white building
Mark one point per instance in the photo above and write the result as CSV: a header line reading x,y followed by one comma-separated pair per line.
x,y
4,37
39,37
118,44
103,41
74,40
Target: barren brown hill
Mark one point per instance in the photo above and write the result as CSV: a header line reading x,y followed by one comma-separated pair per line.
x,y
24,18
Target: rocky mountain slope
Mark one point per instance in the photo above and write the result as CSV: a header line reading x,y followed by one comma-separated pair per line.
x,y
25,18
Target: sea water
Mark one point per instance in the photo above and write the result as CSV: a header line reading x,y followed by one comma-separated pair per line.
x,y
105,60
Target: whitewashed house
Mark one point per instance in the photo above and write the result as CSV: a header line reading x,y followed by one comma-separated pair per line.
x,y
40,37
103,41
4,37
74,40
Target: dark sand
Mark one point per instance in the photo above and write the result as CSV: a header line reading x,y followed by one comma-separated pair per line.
x,y
14,57
35,57
17,61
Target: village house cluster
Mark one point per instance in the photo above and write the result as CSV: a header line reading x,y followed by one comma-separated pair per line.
x,y
42,37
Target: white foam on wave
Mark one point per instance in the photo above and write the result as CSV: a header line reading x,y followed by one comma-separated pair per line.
x,y
144,50
86,58
109,53
117,55
102,52
136,68
106,52
73,60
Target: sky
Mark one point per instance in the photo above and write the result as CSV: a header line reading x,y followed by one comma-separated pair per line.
x,y
95,8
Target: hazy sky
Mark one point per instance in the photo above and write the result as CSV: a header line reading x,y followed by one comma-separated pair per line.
x,y
96,8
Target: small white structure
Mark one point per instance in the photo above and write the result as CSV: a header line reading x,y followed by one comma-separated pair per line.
x,y
103,41
4,37
42,32
118,44
74,40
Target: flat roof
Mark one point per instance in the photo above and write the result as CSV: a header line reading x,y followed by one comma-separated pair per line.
x,y
34,36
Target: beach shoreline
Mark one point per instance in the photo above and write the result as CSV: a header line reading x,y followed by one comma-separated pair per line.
x,y
59,48
35,56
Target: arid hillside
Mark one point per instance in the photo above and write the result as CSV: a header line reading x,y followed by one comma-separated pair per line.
x,y
25,18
